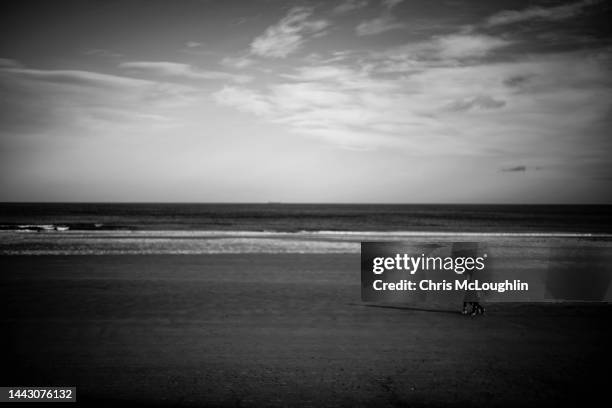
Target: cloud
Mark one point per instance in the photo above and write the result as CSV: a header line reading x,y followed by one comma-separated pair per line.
x,y
514,169
378,25
193,44
237,62
243,99
457,46
389,4
179,70
444,50
349,5
476,102
75,102
556,13
320,72
318,102
289,34
335,103
442,108
75,77
449,94
385,22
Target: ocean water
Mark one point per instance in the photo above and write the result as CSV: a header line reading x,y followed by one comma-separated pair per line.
x,y
65,229
310,217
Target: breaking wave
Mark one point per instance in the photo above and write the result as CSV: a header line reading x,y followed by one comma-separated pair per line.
x,y
51,241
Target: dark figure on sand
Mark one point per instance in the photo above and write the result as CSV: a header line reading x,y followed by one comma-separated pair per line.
x,y
472,308
471,301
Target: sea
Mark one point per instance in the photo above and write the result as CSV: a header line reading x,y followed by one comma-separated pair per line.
x,y
175,228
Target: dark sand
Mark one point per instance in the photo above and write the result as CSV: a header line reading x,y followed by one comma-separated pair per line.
x,y
280,330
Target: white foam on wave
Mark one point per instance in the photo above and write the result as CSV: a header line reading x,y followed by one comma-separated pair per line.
x,y
233,242
463,234
319,233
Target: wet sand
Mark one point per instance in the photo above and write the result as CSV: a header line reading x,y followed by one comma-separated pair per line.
x,y
280,330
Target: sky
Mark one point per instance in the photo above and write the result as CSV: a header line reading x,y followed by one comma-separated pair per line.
x,y
372,101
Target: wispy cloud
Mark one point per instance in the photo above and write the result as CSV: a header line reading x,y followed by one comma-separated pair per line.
x,y
438,51
458,46
451,47
84,102
514,169
389,4
75,77
448,94
180,70
288,35
555,13
331,102
244,99
385,22
474,109
476,102
238,62
378,25
348,6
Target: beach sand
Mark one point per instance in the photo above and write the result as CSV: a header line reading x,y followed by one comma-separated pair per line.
x,y
280,330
